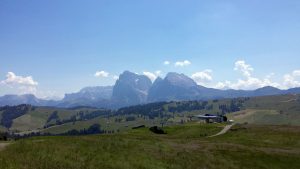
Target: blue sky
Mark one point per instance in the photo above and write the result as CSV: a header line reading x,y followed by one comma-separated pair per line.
x,y
54,47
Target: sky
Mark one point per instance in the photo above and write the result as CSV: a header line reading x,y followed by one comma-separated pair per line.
x,y
52,47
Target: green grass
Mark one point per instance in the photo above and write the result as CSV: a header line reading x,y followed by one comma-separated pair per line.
x,y
27,122
78,125
266,136
268,117
36,119
106,124
193,130
185,146
271,110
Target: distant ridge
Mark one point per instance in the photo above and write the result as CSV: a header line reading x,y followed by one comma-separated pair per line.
x,y
132,89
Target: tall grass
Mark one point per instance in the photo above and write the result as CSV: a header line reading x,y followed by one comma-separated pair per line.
x,y
183,147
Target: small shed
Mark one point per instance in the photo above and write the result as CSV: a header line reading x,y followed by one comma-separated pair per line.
x,y
210,118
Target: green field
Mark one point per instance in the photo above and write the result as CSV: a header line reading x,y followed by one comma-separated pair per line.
x,y
272,117
271,110
106,124
184,146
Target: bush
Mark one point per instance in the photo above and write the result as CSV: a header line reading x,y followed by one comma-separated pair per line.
x,y
3,137
157,130
138,127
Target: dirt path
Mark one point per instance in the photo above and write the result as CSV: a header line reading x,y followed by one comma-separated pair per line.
x,y
225,129
291,100
38,130
3,145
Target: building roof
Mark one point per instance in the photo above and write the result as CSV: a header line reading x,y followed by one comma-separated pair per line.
x,y
207,116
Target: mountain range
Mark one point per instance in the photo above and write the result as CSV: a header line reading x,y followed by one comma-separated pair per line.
x,y
133,89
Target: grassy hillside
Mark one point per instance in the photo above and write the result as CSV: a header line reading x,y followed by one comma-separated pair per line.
x,y
184,146
280,110
270,110
272,117
27,122
37,118
105,123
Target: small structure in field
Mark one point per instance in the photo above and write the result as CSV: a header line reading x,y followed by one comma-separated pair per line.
x,y
210,118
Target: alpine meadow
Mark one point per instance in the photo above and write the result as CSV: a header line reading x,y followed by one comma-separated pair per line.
x,y
149,84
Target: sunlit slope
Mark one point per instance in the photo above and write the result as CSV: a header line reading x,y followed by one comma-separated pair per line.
x,y
184,146
280,110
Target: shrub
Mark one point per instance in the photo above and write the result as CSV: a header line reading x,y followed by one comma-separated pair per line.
x,y
157,130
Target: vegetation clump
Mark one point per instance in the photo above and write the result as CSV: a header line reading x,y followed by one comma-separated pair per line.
x,y
157,130
3,136
12,112
138,127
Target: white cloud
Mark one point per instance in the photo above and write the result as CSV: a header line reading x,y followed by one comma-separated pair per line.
x,y
12,78
182,63
290,80
101,74
166,62
296,73
243,67
202,78
158,72
49,95
223,85
115,77
14,84
270,75
249,82
152,76
20,84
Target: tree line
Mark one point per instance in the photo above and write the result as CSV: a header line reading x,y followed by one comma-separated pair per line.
x,y
9,113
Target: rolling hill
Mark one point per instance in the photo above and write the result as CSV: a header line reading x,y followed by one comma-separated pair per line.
x,y
273,110
184,146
